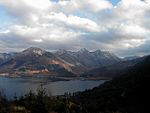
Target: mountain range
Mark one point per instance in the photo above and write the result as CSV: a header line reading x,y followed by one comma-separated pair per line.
x,y
113,70
33,61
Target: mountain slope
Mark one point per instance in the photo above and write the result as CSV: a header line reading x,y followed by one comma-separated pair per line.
x,y
6,56
36,61
84,60
112,70
130,58
128,93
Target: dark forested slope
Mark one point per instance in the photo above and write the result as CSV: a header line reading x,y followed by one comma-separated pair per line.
x,y
127,93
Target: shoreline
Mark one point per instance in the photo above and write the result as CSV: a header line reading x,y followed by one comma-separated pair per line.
x,y
55,78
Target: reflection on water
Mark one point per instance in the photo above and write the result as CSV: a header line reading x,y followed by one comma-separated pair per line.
x,y
21,86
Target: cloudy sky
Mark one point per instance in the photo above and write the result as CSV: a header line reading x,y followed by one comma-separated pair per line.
x,y
119,26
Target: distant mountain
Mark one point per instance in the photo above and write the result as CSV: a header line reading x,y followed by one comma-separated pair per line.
x,y
113,70
84,60
131,57
128,93
36,61
61,63
6,56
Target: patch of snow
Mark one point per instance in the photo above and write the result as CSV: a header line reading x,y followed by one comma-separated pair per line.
x,y
39,52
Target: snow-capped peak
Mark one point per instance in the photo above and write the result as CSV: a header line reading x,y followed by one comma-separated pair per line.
x,y
34,50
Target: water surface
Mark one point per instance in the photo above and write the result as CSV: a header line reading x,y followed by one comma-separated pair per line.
x,y
21,86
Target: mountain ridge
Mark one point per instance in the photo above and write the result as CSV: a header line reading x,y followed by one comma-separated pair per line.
x,y
36,60
113,70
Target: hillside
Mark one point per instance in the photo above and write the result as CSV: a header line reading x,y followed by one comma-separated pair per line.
x,y
34,61
88,59
113,70
127,93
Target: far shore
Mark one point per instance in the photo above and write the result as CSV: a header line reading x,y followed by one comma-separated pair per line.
x,y
56,78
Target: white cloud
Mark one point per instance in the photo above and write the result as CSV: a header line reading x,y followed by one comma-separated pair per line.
x,y
4,31
73,24
38,4
84,5
98,5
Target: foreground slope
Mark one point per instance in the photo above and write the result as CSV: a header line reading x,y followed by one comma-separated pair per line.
x,y
128,93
